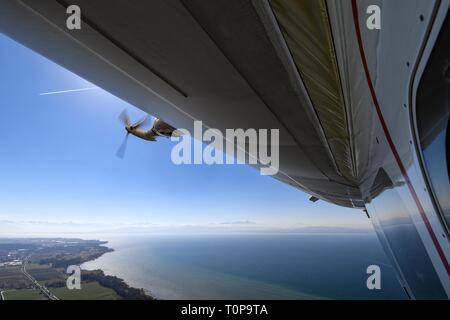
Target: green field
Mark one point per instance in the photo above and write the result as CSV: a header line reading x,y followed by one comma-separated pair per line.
x,y
15,285
22,294
31,266
45,264
44,272
89,291
13,278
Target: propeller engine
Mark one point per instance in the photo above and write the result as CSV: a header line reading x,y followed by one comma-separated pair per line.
x,y
130,128
159,129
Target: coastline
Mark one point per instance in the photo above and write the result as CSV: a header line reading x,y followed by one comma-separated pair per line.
x,y
119,285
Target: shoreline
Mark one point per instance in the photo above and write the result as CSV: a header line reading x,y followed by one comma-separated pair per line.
x,y
122,288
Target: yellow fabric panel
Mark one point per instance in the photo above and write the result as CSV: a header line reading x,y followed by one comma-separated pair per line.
x,y
306,28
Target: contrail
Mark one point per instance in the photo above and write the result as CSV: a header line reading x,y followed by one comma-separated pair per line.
x,y
65,91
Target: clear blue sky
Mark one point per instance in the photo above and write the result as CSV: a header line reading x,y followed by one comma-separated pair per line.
x,y
58,164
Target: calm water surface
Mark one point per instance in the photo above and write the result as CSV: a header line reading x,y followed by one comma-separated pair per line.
x,y
288,266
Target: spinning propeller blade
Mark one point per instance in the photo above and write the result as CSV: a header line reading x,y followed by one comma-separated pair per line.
x,y
124,117
123,147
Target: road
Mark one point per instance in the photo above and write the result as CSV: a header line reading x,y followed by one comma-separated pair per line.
x,y
41,287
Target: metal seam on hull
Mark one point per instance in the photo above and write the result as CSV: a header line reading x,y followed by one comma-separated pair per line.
x,y
122,47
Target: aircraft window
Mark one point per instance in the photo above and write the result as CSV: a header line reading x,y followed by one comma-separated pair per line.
x,y
433,110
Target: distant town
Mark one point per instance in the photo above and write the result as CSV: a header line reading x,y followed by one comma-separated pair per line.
x,y
35,269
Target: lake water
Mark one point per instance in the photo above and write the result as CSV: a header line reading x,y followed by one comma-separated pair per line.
x,y
282,266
